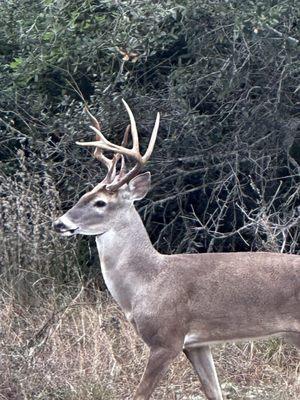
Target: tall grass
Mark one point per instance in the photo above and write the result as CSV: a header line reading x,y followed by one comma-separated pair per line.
x,y
33,258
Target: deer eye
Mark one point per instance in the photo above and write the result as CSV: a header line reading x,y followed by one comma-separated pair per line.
x,y
100,203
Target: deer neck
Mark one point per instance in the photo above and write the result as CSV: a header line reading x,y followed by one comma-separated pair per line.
x,y
128,259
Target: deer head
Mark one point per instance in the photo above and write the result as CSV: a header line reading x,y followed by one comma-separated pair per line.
x,y
105,205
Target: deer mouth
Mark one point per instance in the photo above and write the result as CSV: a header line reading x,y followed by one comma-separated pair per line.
x,y
69,232
63,229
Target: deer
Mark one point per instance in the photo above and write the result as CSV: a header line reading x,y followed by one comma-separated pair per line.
x,y
179,302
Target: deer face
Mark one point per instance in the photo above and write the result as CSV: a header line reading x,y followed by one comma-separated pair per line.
x,y
100,210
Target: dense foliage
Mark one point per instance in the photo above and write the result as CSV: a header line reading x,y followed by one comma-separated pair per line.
x,y
225,76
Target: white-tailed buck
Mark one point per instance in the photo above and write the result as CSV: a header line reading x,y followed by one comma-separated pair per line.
x,y
182,302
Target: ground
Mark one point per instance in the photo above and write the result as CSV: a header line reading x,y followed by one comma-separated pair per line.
x,y
89,351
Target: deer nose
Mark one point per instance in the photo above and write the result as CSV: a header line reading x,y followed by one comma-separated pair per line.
x,y
59,226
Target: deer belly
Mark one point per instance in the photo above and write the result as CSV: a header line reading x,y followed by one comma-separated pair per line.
x,y
194,340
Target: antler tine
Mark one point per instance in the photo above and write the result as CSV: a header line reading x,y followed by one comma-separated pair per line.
x,y
97,129
98,153
151,144
125,137
124,143
134,133
112,171
93,119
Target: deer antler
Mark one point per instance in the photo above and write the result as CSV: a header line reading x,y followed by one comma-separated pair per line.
x,y
102,143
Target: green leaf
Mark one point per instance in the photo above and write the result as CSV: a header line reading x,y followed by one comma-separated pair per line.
x,y
16,63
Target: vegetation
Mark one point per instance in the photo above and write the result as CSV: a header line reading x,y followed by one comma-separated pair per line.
x,y
226,167
90,352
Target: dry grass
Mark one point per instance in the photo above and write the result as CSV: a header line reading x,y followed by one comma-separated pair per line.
x,y
88,351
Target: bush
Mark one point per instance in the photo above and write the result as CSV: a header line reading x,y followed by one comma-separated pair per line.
x,y
224,76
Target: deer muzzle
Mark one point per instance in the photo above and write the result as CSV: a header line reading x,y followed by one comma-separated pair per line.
x,y
64,226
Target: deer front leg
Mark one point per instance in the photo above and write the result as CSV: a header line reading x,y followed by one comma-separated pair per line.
x,y
203,363
158,362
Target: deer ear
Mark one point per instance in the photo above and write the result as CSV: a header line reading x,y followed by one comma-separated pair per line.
x,y
138,187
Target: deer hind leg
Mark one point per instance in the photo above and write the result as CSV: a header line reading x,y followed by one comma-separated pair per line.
x,y
203,363
158,362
